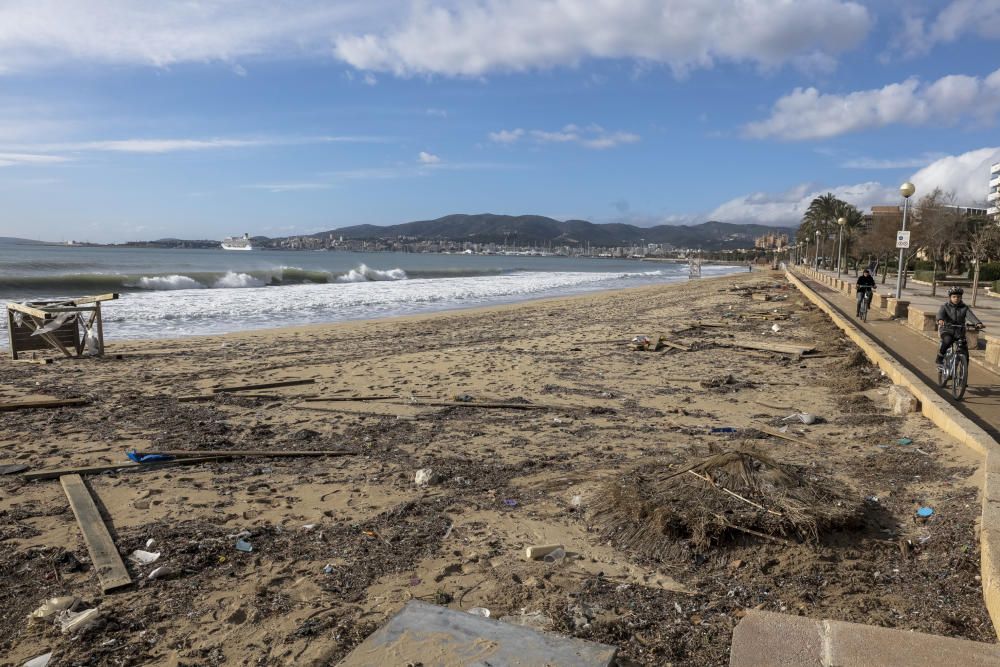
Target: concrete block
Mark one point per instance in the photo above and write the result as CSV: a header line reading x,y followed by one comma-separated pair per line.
x,y
902,401
852,289
880,301
993,350
897,307
921,320
972,338
764,639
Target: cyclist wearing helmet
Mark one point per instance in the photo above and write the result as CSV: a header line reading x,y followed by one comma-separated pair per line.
x,y
955,312
865,287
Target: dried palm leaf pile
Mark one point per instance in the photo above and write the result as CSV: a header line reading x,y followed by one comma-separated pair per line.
x,y
734,493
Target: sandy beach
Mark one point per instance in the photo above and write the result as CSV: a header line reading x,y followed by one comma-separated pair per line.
x,y
340,543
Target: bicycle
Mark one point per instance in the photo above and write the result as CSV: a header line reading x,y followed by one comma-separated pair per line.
x,y
956,362
866,300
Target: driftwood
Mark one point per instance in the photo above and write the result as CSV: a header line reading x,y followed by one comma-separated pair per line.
x,y
265,385
269,453
52,473
103,552
48,403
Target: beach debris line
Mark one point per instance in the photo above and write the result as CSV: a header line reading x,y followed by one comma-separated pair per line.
x,y
656,512
42,403
265,385
58,326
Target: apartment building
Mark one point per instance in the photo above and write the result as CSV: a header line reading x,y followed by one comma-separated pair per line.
x,y
994,193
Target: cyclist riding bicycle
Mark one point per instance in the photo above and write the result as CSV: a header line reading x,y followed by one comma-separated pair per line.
x,y
865,287
953,313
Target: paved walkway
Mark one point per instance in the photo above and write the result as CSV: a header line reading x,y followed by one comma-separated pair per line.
x,y
916,350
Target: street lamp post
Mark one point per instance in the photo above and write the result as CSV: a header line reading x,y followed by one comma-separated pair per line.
x,y
906,189
817,250
840,243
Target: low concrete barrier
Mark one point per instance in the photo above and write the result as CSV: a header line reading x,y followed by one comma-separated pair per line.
x,y
944,415
897,307
880,301
993,351
921,320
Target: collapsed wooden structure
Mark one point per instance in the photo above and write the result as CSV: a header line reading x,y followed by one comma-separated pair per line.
x,y
56,325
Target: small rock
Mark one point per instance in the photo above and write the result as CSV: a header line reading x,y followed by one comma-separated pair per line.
x,y
426,477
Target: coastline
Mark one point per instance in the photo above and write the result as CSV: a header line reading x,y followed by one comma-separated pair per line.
x,y
506,479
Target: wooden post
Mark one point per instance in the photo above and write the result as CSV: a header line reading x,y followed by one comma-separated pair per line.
x,y
100,329
10,334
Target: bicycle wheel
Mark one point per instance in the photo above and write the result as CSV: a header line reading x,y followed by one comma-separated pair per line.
x,y
864,310
942,371
961,379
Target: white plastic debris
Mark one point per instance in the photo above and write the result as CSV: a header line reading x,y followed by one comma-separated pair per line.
x,y
161,572
804,417
480,611
141,557
149,543
425,477
71,621
775,328
41,661
53,606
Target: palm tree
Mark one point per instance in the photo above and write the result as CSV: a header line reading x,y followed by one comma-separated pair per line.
x,y
855,219
821,216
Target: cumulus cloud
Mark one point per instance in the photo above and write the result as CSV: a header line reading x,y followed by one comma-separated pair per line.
x,y
891,163
592,136
428,158
483,36
967,175
806,113
958,19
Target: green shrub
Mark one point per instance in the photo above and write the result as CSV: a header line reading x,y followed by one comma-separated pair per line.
x,y
996,286
923,265
928,276
989,272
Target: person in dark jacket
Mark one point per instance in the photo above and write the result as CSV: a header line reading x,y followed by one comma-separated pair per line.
x,y
953,312
865,287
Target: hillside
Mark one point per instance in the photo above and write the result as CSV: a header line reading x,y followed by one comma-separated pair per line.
x,y
541,230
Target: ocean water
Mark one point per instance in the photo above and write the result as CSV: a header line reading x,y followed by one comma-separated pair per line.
x,y
177,292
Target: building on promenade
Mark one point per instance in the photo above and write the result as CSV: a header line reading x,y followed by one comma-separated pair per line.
x,y
994,193
771,241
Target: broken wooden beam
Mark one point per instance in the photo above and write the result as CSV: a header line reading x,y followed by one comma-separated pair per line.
x,y
103,552
265,385
779,434
95,299
188,454
379,397
782,348
48,403
52,473
470,404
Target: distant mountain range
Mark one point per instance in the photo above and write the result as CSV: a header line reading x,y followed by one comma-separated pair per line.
x,y
540,230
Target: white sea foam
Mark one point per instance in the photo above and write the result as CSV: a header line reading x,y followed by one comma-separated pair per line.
x,y
173,282
202,311
234,280
363,274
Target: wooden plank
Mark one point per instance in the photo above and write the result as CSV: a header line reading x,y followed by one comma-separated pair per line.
x,y
100,326
28,310
676,346
265,385
10,334
96,299
194,398
783,348
49,403
351,398
464,404
270,453
125,466
103,552
33,361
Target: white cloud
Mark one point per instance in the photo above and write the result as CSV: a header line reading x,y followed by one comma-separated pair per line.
x,y
428,158
891,163
808,114
154,146
369,79
967,175
12,159
41,33
288,187
957,20
483,36
591,136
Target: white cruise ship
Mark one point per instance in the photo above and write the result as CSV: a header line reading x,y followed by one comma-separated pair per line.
x,y
237,243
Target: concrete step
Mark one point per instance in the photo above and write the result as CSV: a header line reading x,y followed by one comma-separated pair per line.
x,y
766,639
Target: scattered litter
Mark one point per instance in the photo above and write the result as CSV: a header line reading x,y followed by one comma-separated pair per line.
x,y
12,468
904,441
71,621
480,611
925,512
577,500
723,429
642,343
161,572
40,661
535,620
141,557
149,543
328,569
52,606
803,417
147,458
510,502
426,477
308,527
538,552
555,556
465,398
775,328
243,545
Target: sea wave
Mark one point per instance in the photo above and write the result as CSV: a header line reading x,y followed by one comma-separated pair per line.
x,y
364,274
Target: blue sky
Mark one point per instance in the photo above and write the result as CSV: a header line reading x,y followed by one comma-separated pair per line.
x,y
125,119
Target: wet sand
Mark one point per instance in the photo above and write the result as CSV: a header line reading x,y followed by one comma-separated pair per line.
x,y
339,544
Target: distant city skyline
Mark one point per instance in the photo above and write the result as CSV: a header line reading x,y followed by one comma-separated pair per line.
x,y
129,120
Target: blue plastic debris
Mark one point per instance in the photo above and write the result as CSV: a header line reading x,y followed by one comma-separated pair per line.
x,y
724,429
510,502
243,545
925,512
904,441
148,458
